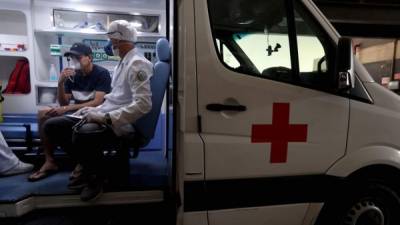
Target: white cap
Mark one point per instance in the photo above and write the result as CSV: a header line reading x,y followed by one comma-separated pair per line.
x,y
122,30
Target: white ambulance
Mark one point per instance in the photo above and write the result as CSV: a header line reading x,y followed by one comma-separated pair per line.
x,y
273,121
278,124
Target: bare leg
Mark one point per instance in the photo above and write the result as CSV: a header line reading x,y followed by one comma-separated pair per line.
x,y
48,148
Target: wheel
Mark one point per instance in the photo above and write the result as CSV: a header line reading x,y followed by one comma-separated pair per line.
x,y
363,204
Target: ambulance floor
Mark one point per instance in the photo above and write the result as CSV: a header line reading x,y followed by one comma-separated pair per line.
x,y
148,171
137,214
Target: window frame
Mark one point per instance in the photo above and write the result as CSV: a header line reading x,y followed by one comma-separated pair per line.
x,y
235,50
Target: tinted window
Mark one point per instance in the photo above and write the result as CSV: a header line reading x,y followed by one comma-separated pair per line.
x,y
259,36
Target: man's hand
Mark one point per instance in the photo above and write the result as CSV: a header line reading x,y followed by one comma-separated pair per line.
x,y
57,111
66,73
95,117
84,111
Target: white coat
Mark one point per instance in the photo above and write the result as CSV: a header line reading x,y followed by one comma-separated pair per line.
x,y
130,97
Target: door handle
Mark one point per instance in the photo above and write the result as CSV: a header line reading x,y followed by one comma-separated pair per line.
x,y
221,107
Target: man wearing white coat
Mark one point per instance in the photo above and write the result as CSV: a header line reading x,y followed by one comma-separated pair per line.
x,y
129,100
130,97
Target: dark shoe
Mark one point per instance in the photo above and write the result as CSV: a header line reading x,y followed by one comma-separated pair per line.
x,y
77,183
92,190
77,172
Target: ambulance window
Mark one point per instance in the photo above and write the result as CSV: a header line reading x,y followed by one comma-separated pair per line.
x,y
272,39
256,34
256,45
315,51
311,51
227,55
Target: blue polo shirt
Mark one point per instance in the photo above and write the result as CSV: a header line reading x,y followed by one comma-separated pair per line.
x,y
84,87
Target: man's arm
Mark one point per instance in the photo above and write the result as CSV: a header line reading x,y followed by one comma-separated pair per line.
x,y
62,96
98,100
58,111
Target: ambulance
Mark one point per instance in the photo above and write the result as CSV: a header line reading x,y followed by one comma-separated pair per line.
x,y
267,117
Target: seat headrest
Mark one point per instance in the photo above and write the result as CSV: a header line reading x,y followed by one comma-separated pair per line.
x,y
163,50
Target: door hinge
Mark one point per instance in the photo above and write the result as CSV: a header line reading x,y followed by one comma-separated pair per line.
x,y
199,128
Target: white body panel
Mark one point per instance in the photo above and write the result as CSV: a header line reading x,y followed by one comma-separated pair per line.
x,y
312,213
373,133
195,218
191,143
282,214
190,152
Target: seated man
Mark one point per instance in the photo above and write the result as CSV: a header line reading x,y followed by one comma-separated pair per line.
x,y
9,163
128,101
86,83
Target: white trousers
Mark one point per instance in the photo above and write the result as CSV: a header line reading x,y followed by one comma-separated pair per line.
x,y
8,159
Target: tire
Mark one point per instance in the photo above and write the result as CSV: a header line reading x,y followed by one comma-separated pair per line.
x,y
367,203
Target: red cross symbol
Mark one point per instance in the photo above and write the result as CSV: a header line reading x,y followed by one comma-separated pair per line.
x,y
279,133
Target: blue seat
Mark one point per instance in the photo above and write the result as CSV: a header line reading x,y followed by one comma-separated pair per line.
x,y
146,125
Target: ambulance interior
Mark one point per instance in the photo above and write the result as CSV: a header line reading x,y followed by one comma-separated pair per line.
x,y
40,31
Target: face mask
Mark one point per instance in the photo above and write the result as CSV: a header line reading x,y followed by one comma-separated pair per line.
x,y
115,51
108,49
76,64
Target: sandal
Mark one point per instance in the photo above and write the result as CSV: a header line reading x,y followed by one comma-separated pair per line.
x,y
39,175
